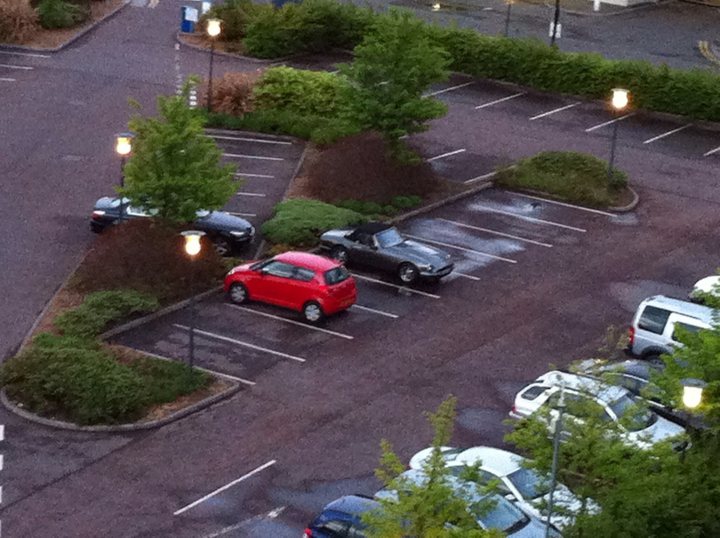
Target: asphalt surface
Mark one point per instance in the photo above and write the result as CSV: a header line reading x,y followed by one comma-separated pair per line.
x,y
320,421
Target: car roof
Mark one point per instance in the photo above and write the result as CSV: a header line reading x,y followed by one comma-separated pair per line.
x,y
307,260
582,383
495,460
373,227
687,308
352,504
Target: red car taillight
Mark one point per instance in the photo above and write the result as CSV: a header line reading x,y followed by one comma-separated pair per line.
x,y
631,335
98,213
513,410
307,533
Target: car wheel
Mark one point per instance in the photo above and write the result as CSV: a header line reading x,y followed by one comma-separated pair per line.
x,y
312,312
222,246
238,293
408,273
654,359
339,254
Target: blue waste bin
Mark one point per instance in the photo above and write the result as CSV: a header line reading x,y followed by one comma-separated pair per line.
x,y
186,26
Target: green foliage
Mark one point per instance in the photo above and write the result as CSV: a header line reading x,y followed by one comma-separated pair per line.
x,y
101,308
50,340
165,381
299,222
54,14
571,176
175,167
393,66
375,210
235,16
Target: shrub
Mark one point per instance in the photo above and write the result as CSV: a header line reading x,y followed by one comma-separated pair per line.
x,y
50,340
575,177
299,222
273,33
18,21
233,93
54,14
101,308
165,380
235,16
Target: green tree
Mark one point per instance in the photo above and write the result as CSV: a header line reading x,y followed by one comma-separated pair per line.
x,y
175,168
392,68
426,509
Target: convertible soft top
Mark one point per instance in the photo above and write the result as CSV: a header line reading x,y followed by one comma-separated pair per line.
x,y
372,227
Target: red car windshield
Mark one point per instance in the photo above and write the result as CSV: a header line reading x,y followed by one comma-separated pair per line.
x,y
336,275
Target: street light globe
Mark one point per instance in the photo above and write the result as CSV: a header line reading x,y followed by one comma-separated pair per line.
x,y
192,242
620,98
213,27
692,392
123,144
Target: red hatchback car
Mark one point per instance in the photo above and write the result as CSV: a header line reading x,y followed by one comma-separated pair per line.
x,y
313,285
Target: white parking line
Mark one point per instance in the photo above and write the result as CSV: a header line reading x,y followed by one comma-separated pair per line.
x,y
496,101
658,137
711,151
240,343
5,79
291,321
241,214
531,219
495,232
601,125
31,55
272,514
258,140
265,176
23,67
480,178
380,312
451,88
228,376
549,112
448,154
255,194
258,157
565,204
470,277
465,249
403,288
226,486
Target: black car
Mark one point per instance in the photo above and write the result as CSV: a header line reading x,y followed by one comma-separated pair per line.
x,y
227,232
342,518
381,246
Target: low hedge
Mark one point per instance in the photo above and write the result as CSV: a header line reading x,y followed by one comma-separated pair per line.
x,y
299,222
376,211
57,14
573,177
18,21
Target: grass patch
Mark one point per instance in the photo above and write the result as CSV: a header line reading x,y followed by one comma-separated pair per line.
x,y
573,177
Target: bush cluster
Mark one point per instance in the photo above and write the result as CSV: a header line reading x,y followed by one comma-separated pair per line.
x,y
299,222
54,14
233,93
376,211
18,21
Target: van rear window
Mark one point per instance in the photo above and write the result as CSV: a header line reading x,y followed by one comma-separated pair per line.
x,y
653,319
337,275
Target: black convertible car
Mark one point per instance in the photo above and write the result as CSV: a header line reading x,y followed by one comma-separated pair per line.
x,y
227,232
381,246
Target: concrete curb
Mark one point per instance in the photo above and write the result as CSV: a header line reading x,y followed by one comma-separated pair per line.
x,y
71,40
615,209
136,426
440,203
629,207
259,61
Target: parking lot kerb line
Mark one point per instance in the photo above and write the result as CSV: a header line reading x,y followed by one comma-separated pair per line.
x,y
258,157
221,374
663,135
711,152
255,194
565,204
601,125
443,155
264,176
550,112
291,321
464,249
241,214
451,88
29,54
469,277
396,286
23,67
495,232
4,79
480,178
374,311
258,140
531,219
240,343
496,101
226,486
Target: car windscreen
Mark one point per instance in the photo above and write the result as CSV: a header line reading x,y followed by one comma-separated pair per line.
x,y
528,483
503,515
336,275
632,415
389,238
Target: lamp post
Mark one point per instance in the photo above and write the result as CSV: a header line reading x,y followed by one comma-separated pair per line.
x,y
507,17
213,30
556,451
691,398
556,19
123,147
620,99
193,246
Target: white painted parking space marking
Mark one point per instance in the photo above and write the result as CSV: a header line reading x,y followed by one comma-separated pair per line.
x,y
28,54
531,219
402,288
22,67
258,140
240,343
241,214
255,194
496,101
5,79
258,157
464,249
555,111
565,204
272,514
469,277
601,125
374,311
291,321
226,486
443,155
663,135
451,88
495,232
220,374
264,176
711,151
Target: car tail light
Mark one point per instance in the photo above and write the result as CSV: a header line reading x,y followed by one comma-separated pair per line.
x,y
631,335
98,213
513,410
307,533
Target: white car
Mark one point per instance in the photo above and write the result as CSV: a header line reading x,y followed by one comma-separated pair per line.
x,y
640,427
516,482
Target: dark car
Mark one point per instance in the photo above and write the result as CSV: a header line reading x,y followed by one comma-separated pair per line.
x,y
381,246
342,518
227,232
